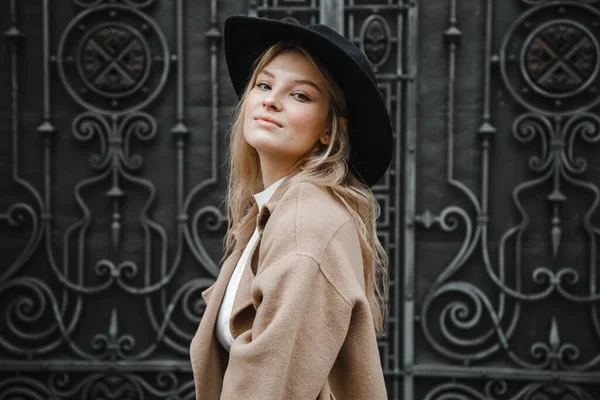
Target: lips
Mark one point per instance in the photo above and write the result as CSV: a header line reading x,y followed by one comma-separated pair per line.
x,y
267,119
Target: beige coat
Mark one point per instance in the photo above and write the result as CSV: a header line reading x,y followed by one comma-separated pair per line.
x,y
301,321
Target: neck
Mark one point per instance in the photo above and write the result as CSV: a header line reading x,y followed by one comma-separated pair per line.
x,y
274,168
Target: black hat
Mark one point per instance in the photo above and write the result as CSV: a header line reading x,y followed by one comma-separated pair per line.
x,y
369,126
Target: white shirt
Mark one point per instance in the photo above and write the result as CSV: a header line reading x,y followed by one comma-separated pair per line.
x,y
223,331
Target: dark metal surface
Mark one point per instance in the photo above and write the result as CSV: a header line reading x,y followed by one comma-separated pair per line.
x,y
507,306
113,116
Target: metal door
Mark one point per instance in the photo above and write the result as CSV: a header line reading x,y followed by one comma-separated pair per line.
x,y
114,116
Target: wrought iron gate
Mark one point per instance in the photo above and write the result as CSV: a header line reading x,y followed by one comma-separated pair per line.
x,y
505,234
114,113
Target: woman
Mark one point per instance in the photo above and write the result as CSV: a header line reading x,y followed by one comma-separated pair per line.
x,y
302,293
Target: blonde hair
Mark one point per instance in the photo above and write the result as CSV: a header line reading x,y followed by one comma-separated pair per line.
x,y
325,166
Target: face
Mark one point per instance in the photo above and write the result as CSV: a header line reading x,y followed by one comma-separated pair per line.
x,y
285,113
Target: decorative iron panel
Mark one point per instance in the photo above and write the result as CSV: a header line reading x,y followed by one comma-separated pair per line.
x,y
506,229
111,192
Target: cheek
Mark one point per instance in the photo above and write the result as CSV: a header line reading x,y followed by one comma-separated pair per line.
x,y
250,100
308,119
247,108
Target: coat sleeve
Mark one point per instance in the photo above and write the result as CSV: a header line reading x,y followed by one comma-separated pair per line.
x,y
300,325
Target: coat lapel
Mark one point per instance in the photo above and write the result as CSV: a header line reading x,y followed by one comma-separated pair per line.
x,y
243,312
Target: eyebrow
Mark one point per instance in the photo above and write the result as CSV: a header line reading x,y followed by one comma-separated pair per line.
x,y
297,81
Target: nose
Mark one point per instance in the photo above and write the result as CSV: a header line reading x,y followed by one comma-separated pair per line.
x,y
272,102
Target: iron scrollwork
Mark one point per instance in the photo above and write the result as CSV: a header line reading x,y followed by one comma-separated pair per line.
x,y
160,385
113,60
461,320
498,390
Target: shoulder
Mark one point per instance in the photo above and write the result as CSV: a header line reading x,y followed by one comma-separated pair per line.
x,y
307,218
309,221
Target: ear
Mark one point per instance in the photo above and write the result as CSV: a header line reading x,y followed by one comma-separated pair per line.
x,y
324,139
342,122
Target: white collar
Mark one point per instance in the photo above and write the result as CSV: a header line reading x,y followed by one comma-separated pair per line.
x,y
264,196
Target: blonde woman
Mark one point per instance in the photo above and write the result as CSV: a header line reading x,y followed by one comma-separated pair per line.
x,y
302,292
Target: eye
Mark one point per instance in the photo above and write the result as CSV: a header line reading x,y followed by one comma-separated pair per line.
x,y
263,86
301,96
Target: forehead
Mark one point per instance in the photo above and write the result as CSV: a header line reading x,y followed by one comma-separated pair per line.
x,y
293,65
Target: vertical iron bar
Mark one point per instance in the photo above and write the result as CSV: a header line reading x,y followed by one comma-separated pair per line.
x,y
180,108
46,97
486,132
410,197
397,195
15,94
332,14
487,67
214,78
450,94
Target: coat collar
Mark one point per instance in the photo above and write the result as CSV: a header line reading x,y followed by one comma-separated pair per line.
x,y
258,218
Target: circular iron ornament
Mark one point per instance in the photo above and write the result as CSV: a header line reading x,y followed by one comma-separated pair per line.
x,y
560,59
549,58
107,70
376,40
114,60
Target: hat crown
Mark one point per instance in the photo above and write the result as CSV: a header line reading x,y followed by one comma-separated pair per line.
x,y
350,48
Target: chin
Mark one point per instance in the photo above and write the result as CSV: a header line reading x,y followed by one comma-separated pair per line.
x,y
265,148
260,140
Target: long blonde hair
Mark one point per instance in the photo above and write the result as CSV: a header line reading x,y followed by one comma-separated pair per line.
x,y
325,166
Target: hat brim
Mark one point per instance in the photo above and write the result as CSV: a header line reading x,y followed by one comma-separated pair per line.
x,y
369,125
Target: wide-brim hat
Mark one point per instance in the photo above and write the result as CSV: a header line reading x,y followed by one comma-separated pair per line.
x,y
369,125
